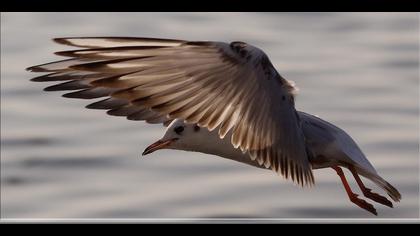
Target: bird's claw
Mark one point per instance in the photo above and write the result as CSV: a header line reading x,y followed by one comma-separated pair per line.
x,y
377,198
363,204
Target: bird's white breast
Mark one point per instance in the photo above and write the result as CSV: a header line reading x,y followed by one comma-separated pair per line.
x,y
210,143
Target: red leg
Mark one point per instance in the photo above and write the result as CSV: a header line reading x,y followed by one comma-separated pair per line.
x,y
352,196
368,192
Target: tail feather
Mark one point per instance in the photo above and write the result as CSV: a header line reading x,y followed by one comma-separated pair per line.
x,y
390,190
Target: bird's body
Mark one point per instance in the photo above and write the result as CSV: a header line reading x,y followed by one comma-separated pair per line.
x,y
326,144
217,98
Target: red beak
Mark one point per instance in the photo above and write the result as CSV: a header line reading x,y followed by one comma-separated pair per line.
x,y
160,144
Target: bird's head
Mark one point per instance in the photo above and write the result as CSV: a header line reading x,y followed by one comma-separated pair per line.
x,y
178,135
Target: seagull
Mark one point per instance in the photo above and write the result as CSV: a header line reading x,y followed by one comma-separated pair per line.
x,y
224,99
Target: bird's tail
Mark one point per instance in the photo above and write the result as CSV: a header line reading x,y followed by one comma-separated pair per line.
x,y
387,187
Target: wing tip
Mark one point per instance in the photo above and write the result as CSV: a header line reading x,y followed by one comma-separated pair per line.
x,y
66,40
304,177
42,78
63,54
72,95
300,176
35,69
60,40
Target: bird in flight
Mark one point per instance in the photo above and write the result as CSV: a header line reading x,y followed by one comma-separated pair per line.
x,y
225,99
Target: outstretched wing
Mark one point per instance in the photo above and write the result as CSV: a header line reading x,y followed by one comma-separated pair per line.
x,y
232,87
72,80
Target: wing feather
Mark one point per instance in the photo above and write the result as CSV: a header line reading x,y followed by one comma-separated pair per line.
x,y
107,104
230,87
101,42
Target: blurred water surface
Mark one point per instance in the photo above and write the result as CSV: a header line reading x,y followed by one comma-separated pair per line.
x,y
59,160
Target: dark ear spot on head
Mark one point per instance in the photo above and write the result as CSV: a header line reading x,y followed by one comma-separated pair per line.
x,y
179,129
196,128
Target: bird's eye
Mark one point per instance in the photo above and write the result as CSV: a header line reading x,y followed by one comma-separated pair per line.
x,y
179,129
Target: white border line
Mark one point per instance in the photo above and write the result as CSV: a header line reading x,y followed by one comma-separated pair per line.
x,y
210,220
418,117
